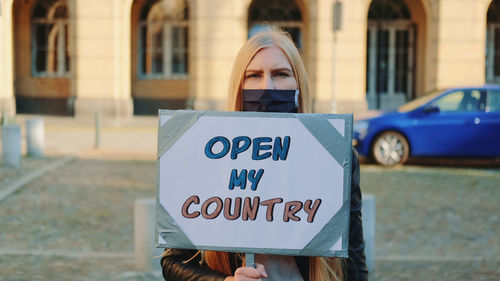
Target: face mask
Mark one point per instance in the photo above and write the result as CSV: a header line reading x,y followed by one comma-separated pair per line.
x,y
271,100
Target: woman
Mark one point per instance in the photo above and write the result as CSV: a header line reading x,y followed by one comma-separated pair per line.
x,y
270,61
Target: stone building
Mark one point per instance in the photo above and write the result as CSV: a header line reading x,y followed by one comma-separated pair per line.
x,y
124,57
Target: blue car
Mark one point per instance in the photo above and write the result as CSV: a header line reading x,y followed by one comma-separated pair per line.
x,y
458,122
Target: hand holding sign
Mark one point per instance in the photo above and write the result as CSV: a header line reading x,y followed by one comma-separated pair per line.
x,y
248,273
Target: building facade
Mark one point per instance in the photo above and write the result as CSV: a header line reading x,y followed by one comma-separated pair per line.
x,y
124,57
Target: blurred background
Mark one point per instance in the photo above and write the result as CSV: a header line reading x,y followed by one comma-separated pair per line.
x,y
82,80
126,58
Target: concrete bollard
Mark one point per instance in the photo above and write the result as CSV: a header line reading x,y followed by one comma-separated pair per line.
x,y
35,137
368,214
144,226
11,146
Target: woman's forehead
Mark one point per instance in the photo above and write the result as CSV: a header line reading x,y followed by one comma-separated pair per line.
x,y
269,57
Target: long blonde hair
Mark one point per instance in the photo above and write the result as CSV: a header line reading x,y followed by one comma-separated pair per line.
x,y
320,268
261,40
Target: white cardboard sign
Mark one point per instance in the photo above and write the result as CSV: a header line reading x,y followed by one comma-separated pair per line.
x,y
254,182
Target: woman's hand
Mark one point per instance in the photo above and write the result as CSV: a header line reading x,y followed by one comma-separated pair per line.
x,y
248,274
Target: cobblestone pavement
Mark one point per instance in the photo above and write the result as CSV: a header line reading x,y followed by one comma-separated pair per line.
x,y
435,223
76,222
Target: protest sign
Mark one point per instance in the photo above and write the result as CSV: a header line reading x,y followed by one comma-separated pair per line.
x,y
252,182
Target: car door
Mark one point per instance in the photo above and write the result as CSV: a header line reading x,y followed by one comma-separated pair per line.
x,y
449,125
489,124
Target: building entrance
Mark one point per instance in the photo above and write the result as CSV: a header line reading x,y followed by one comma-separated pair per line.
x,y
493,43
390,63
390,55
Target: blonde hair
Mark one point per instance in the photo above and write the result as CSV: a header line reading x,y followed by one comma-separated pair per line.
x,y
261,40
320,268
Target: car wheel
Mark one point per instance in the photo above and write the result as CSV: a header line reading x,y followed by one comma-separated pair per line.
x,y
390,148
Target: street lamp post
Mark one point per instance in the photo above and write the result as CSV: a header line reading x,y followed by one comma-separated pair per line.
x,y
337,25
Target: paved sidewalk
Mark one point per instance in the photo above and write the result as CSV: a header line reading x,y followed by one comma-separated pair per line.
x,y
75,221
435,223
134,138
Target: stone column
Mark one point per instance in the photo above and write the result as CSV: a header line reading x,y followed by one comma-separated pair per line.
x,y
349,79
461,40
320,61
7,101
101,72
218,34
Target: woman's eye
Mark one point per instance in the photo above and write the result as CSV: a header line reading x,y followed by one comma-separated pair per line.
x,y
252,75
282,74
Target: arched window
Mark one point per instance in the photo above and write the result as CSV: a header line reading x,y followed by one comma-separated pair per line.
x,y
390,54
388,10
493,43
163,42
284,14
50,39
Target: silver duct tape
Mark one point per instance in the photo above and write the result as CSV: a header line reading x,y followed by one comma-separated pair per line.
x,y
327,135
269,251
347,192
176,126
168,229
335,229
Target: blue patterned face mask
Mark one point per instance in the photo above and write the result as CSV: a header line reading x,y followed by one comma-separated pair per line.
x,y
270,100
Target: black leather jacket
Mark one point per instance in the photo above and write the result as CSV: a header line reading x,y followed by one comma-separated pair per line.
x,y
175,267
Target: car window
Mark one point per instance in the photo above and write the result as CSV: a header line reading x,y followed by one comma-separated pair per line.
x,y
467,100
493,103
449,102
418,102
